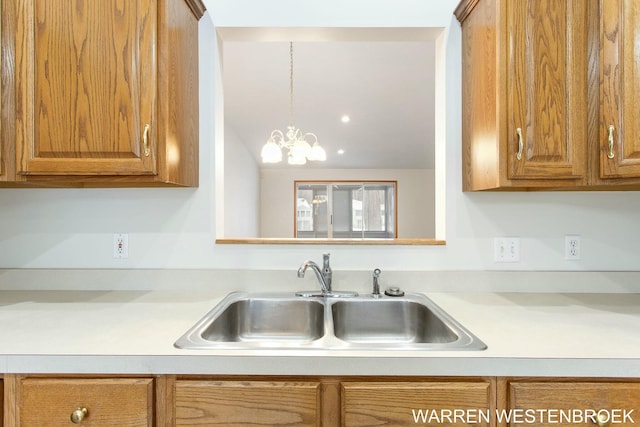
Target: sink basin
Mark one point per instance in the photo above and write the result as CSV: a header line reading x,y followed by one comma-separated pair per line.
x,y
277,320
389,321
258,320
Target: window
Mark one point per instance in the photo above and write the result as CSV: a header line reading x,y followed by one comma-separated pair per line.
x,y
346,210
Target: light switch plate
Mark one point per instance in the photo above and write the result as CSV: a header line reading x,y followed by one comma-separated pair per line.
x,y
506,249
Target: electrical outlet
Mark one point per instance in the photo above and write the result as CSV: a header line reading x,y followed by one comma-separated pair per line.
x,y
572,247
506,249
120,245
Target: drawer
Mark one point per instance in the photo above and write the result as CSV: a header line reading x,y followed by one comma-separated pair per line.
x,y
567,403
415,402
243,403
123,402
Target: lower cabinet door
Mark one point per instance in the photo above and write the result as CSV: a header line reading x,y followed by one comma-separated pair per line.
x,y
246,403
417,403
122,402
574,403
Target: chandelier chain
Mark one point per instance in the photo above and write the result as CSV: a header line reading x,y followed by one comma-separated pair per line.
x,y
291,83
299,148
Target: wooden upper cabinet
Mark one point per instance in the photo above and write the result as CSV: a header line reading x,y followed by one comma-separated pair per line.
x,y
524,94
2,104
86,87
107,91
547,98
619,135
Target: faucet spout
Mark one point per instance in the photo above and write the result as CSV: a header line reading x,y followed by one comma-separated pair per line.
x,y
326,287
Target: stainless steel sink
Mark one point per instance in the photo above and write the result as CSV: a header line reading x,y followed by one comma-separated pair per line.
x,y
388,321
258,320
276,320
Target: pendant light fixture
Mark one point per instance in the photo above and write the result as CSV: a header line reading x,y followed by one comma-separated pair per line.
x,y
294,140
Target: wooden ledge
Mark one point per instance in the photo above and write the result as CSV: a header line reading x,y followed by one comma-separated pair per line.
x,y
292,241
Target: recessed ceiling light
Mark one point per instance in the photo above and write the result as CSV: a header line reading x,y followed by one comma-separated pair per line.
x,y
341,151
345,119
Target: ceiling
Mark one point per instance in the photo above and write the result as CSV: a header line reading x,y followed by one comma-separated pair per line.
x,y
385,87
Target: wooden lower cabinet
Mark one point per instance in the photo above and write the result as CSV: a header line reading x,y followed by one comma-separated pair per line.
x,y
569,402
324,401
243,403
45,401
409,403
170,400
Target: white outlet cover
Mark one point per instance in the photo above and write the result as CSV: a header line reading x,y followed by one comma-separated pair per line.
x,y
572,247
120,246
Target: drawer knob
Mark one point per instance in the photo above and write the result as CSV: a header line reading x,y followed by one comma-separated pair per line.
x,y
602,420
78,415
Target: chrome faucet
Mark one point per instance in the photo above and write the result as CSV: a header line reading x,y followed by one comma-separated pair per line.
x,y
376,284
324,276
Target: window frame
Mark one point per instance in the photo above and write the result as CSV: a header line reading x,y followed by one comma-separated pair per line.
x,y
390,183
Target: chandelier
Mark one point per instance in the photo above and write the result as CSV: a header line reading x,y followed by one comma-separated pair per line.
x,y
300,146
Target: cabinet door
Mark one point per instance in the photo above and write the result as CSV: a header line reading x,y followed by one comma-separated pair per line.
x,y
411,403
544,400
547,102
620,89
85,87
243,403
122,402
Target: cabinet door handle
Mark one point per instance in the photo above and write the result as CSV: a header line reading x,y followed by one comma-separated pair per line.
x,y
79,415
520,144
612,129
145,139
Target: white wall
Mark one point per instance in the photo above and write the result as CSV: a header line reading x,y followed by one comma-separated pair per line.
x,y
241,187
175,228
416,214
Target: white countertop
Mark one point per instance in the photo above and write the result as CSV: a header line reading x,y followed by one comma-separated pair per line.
x,y
132,332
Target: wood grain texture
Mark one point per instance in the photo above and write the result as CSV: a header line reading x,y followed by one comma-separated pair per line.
x,y
620,88
1,401
90,76
464,9
110,401
480,102
86,84
525,65
574,395
7,94
9,381
548,93
197,8
392,403
243,403
178,109
2,103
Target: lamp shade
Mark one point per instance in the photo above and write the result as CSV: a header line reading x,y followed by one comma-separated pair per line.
x,y
271,152
317,153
